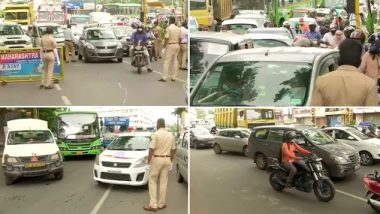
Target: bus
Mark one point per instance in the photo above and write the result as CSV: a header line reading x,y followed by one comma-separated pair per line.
x,y
206,11
243,118
130,9
111,126
281,10
78,133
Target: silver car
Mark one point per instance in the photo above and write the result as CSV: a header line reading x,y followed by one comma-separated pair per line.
x,y
182,157
232,140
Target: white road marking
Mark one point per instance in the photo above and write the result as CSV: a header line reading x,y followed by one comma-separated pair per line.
x,y
177,79
351,195
125,96
66,100
120,86
101,201
58,87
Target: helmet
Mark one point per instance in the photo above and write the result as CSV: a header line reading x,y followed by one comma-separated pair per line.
x,y
290,135
358,35
374,43
286,23
348,30
332,26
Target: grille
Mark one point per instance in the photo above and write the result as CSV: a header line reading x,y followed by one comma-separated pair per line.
x,y
27,159
100,47
14,42
118,177
354,159
111,47
16,47
79,148
118,164
106,54
35,168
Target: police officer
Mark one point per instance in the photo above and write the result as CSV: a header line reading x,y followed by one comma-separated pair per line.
x,y
182,56
69,44
158,39
172,40
49,56
160,160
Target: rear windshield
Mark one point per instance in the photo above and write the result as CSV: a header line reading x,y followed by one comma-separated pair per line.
x,y
29,137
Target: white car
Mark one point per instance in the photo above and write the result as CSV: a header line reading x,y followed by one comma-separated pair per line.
x,y
239,26
13,36
30,150
39,29
368,148
124,162
193,24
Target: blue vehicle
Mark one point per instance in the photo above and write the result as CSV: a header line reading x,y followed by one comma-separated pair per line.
x,y
111,126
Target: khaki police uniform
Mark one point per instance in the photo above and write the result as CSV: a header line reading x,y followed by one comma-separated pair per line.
x,y
162,143
48,44
182,56
173,36
158,40
69,45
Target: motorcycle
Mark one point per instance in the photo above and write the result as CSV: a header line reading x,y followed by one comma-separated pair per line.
x,y
372,184
140,60
309,177
151,51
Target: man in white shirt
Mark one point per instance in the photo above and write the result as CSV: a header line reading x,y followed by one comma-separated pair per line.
x,y
182,57
69,44
330,36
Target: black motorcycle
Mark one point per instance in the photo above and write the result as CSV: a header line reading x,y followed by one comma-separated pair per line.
x,y
140,60
151,50
309,177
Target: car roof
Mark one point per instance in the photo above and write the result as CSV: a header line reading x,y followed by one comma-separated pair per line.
x,y
254,36
141,134
340,127
280,54
239,21
234,129
98,28
296,127
269,29
221,36
46,24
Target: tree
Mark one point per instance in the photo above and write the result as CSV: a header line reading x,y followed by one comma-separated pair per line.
x,y
178,112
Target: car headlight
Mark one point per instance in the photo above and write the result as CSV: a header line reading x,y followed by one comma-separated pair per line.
x,y
377,146
141,162
97,160
56,156
119,45
11,159
90,46
340,160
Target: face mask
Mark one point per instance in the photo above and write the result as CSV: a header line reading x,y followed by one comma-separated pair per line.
x,y
333,32
139,30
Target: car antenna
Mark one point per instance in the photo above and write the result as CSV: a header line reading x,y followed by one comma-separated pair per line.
x,y
266,53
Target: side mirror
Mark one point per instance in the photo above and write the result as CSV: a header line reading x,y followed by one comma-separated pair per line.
x,y
82,38
350,138
119,37
237,137
301,143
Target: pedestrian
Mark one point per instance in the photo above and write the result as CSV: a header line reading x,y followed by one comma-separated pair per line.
x,y
49,56
182,57
286,25
69,44
339,37
303,26
346,86
172,40
160,162
370,61
330,36
158,39
360,36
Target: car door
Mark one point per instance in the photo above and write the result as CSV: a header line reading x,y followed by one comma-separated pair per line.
x,y
327,65
274,143
182,155
345,137
223,139
233,140
240,142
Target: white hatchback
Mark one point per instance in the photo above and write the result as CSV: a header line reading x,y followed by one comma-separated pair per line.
x,y
124,162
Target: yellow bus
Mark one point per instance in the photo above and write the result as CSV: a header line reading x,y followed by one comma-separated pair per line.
x,y
250,118
205,11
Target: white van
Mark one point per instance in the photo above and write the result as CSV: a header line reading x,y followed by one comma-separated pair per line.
x,y
30,150
100,17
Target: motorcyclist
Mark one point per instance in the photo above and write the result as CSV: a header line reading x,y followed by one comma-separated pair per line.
x,y
348,30
289,149
330,36
360,36
140,37
286,25
312,34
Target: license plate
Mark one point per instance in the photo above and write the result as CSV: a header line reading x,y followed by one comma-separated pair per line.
x,y
114,171
104,51
357,167
34,165
79,153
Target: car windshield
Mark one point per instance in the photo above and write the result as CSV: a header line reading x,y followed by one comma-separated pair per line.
x,y
197,4
358,133
250,83
299,14
79,20
193,25
130,143
57,31
246,133
318,137
240,28
266,31
57,16
321,14
77,126
29,137
7,30
200,131
268,43
100,34
123,31
16,15
260,19
43,16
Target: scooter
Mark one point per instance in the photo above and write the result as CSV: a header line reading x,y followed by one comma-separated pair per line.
x,y
309,177
372,184
140,60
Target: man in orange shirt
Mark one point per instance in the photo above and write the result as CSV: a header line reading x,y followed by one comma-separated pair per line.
x,y
289,149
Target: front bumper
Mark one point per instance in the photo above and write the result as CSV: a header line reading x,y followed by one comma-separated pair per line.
x,y
81,152
343,170
205,143
121,176
107,54
17,46
19,170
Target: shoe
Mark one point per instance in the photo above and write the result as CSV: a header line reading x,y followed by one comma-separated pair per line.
x,y
67,61
73,61
42,86
162,80
173,80
149,208
163,207
160,57
150,70
49,87
288,185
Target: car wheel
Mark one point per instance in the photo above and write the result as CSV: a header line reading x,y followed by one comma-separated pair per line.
x,y
261,161
8,180
80,56
196,146
58,175
120,59
178,175
217,149
325,170
366,158
245,151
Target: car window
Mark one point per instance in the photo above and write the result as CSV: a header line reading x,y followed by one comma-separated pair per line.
x,y
252,83
261,134
328,65
329,132
276,135
269,43
185,141
223,133
341,135
232,133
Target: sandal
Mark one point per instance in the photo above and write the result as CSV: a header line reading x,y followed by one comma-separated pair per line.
x,y
163,207
49,87
149,208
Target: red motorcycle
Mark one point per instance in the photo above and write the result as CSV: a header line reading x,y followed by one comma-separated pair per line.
x,y
372,184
